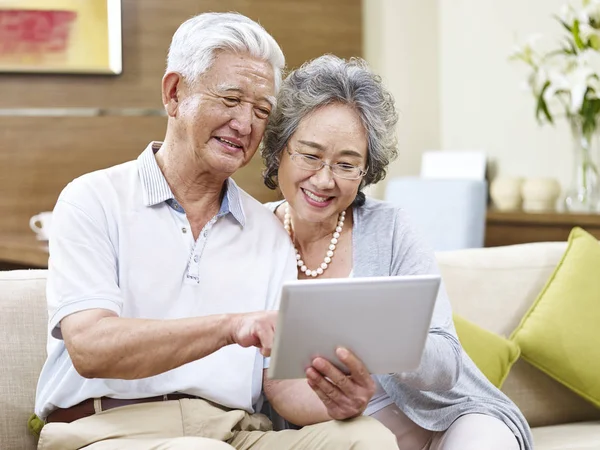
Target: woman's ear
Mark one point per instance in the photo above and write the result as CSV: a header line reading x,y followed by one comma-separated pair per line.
x,y
172,84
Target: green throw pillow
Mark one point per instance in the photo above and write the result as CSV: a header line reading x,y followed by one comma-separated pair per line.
x,y
560,334
492,354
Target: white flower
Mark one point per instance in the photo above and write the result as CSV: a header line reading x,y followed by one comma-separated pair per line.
x,y
567,14
539,78
587,31
529,51
558,84
582,17
568,74
574,82
594,84
579,85
591,58
591,11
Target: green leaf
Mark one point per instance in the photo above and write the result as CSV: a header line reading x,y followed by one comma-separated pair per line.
x,y
562,51
572,47
542,107
589,112
595,42
577,36
564,24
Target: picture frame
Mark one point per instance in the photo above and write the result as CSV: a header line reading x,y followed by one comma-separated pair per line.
x,y
61,36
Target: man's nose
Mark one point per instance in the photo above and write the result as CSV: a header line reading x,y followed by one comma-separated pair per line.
x,y
242,119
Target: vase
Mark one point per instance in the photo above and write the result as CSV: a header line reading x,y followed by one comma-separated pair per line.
x,y
506,193
540,194
583,194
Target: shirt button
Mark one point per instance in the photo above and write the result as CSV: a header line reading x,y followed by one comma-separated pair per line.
x,y
196,258
184,230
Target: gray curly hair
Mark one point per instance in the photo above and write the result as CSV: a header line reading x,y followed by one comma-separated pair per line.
x,y
323,81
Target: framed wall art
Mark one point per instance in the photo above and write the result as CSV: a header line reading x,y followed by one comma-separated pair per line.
x,y
60,36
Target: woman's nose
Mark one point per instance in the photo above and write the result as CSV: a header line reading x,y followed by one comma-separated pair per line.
x,y
323,178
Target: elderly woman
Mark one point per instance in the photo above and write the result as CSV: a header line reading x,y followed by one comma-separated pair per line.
x,y
331,135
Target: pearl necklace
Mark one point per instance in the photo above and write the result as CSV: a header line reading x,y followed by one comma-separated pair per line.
x,y
287,224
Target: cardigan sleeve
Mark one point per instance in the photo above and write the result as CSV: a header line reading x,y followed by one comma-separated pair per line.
x,y
441,362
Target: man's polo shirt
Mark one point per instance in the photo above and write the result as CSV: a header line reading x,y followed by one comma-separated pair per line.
x,y
121,242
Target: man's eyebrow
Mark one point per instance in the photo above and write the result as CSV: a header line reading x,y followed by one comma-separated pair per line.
x,y
318,146
231,88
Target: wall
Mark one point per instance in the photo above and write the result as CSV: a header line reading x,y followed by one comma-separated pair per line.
x,y
401,44
483,104
446,62
40,155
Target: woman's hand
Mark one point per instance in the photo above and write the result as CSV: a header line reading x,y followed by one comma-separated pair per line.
x,y
344,396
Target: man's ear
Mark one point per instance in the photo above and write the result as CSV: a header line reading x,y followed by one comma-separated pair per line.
x,y
172,84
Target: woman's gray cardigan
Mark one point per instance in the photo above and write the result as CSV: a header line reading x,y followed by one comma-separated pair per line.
x,y
447,383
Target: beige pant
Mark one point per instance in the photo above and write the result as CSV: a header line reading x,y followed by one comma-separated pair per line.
x,y
197,424
468,432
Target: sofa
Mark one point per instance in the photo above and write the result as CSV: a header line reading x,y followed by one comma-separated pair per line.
x,y
492,287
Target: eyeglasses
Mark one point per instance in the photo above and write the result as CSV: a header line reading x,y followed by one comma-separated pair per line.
x,y
314,163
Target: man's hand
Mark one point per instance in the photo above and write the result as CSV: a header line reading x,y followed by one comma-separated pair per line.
x,y
255,329
344,396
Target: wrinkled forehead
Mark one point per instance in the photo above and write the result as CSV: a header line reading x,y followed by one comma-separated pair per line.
x,y
332,128
241,73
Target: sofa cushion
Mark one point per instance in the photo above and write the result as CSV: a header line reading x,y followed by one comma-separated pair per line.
x,y
23,328
573,436
560,334
543,400
494,288
492,354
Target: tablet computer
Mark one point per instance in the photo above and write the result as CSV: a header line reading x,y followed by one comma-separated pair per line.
x,y
383,320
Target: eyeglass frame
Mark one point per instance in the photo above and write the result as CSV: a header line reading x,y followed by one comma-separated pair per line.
x,y
292,154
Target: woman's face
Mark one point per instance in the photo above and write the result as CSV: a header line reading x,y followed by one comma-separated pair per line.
x,y
335,135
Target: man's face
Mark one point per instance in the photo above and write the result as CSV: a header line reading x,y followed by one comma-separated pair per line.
x,y
222,117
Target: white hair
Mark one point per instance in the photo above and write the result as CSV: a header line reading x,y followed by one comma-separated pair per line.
x,y
195,42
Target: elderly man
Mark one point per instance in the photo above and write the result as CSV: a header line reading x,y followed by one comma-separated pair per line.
x,y
163,275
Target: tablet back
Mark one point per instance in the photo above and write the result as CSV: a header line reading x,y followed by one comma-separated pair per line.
x,y
383,320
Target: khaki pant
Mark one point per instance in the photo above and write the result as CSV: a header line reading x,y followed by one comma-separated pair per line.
x,y
197,424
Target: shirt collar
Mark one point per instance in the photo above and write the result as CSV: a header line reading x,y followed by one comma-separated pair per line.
x,y
156,189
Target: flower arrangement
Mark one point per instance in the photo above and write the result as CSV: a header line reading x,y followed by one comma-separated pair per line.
x,y
565,82
565,78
